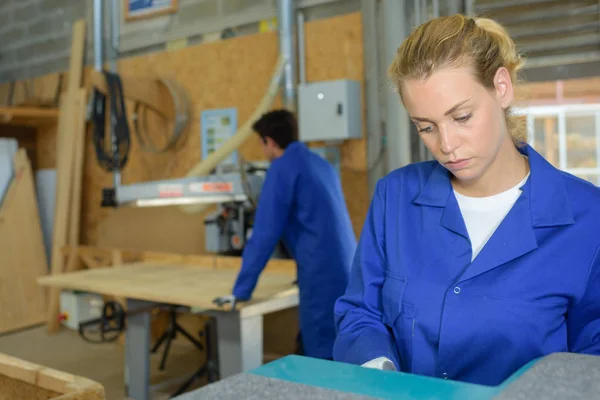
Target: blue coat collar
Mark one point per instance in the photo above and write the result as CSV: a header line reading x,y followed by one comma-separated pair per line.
x,y
548,201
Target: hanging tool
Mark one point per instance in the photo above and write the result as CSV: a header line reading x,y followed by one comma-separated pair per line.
x,y
116,158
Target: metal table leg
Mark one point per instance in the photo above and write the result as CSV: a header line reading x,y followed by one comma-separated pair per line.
x,y
240,342
137,351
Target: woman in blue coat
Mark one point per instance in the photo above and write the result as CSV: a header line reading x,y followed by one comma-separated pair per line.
x,y
301,202
472,265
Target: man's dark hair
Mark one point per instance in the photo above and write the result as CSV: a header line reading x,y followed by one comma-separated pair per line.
x,y
279,125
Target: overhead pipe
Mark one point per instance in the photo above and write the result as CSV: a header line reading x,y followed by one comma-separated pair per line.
x,y
285,23
115,32
98,35
417,12
301,49
436,8
115,24
396,25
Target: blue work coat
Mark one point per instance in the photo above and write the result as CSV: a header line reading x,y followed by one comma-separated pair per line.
x,y
415,297
302,202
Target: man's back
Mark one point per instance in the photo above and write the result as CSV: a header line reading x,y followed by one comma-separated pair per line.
x,y
319,235
302,203
318,218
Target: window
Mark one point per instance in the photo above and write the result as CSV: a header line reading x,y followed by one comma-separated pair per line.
x,y
568,136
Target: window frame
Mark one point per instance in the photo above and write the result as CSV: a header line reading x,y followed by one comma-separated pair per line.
x,y
560,112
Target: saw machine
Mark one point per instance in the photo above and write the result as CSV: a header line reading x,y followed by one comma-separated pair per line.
x,y
232,189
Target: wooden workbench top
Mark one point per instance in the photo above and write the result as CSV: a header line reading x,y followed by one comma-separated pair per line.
x,y
186,285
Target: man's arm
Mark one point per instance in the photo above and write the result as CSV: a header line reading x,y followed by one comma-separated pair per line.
x,y
271,216
362,337
583,320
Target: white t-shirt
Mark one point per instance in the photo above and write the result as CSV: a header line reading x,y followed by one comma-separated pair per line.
x,y
482,216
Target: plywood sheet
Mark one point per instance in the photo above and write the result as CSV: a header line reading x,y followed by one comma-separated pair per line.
x,y
22,301
186,285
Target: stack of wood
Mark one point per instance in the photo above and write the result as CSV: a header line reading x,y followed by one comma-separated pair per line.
x,y
24,258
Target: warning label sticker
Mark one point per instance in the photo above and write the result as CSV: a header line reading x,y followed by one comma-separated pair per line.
x,y
211,187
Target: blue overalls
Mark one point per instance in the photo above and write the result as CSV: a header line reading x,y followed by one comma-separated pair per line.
x,y
415,297
302,201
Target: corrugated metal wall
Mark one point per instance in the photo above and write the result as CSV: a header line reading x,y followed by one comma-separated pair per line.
x,y
560,36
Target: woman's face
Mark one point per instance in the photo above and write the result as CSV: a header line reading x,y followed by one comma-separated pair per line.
x,y
459,120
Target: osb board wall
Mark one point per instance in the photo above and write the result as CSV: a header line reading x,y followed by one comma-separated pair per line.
x,y
231,73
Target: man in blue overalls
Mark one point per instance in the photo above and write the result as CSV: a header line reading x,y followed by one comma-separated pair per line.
x,y
301,203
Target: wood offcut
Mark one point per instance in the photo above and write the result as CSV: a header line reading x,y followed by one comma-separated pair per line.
x,y
21,379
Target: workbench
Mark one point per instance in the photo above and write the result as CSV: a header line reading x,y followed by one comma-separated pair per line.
x,y
146,285
560,376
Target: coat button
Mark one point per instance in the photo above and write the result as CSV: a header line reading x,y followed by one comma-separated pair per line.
x,y
445,375
457,290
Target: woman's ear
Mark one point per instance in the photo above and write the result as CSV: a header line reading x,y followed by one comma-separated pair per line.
x,y
504,87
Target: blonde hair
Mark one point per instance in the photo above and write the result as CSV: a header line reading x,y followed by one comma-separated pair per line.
x,y
455,41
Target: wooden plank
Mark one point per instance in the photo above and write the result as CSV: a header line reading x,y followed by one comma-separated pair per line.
x,y
25,380
61,209
28,116
23,302
77,182
69,127
186,285
75,76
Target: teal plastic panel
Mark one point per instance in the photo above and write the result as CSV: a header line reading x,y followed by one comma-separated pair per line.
x,y
375,383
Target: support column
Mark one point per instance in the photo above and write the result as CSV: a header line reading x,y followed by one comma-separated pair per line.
x,y
373,75
240,342
395,28
287,47
137,351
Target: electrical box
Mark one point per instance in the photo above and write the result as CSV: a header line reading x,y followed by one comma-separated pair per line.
x,y
329,110
77,307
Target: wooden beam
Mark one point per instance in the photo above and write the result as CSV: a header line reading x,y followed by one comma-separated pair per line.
x,y
78,159
72,106
28,116
75,76
150,92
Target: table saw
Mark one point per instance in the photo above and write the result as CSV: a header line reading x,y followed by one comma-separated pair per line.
x,y
560,376
145,285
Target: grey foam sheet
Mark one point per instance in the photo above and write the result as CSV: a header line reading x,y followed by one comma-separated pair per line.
x,y
560,376
256,387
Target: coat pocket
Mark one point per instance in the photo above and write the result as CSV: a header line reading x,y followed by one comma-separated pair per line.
x,y
399,317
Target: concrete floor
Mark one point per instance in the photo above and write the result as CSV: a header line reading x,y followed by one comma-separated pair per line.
x,y
104,363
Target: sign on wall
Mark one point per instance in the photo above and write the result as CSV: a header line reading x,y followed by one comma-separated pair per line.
x,y
218,126
139,9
